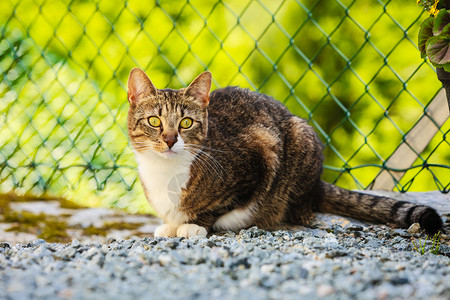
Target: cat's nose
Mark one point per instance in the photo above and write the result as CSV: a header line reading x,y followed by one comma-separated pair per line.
x,y
170,140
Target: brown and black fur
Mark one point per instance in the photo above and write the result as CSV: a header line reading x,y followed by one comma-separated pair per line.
x,y
263,154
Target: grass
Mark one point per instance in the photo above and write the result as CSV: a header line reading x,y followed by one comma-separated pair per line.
x,y
421,246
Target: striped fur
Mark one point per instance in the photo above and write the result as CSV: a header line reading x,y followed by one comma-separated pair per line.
x,y
378,209
249,162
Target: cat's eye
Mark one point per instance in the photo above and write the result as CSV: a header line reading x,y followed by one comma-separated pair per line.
x,y
186,123
154,121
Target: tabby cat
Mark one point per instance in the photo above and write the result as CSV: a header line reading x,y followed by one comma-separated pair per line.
x,y
234,159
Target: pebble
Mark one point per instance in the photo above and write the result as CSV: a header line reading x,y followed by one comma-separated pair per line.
x,y
414,228
324,290
252,264
355,228
172,244
401,232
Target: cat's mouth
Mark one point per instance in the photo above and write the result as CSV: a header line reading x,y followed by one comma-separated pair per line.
x,y
169,153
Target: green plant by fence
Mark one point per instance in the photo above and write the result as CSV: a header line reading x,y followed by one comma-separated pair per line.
x,y
351,67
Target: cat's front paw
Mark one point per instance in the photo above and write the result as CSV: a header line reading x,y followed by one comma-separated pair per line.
x,y
166,230
188,230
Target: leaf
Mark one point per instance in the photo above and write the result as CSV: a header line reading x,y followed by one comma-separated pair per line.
x,y
442,20
446,67
446,31
425,32
438,50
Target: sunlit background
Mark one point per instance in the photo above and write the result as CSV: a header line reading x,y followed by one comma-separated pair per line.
x,y
352,68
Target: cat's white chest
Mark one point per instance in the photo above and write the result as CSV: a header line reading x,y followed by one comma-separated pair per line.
x,y
164,180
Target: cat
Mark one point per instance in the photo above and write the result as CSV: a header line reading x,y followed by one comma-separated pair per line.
x,y
234,158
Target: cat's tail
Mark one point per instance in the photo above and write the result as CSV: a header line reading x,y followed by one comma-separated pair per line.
x,y
378,209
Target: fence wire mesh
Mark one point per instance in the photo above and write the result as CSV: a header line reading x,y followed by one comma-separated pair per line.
x,y
351,67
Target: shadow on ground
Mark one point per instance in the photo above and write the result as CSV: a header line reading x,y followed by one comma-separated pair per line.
x,y
56,220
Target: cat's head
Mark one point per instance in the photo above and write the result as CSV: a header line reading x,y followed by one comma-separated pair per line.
x,y
167,122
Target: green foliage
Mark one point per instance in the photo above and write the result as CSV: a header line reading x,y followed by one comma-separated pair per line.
x,y
422,247
426,31
418,246
349,67
434,39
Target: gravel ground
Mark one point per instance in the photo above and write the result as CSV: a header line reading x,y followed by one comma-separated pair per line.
x,y
337,258
365,262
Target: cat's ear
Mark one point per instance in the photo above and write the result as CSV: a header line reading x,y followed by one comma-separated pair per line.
x,y
199,89
139,86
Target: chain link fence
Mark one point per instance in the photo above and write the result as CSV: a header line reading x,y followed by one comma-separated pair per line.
x,y
351,67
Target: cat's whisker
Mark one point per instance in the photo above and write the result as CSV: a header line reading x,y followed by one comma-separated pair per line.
x,y
121,147
140,143
213,159
117,148
115,141
198,161
279,184
203,168
147,144
144,148
129,145
201,147
206,168
210,162
125,149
